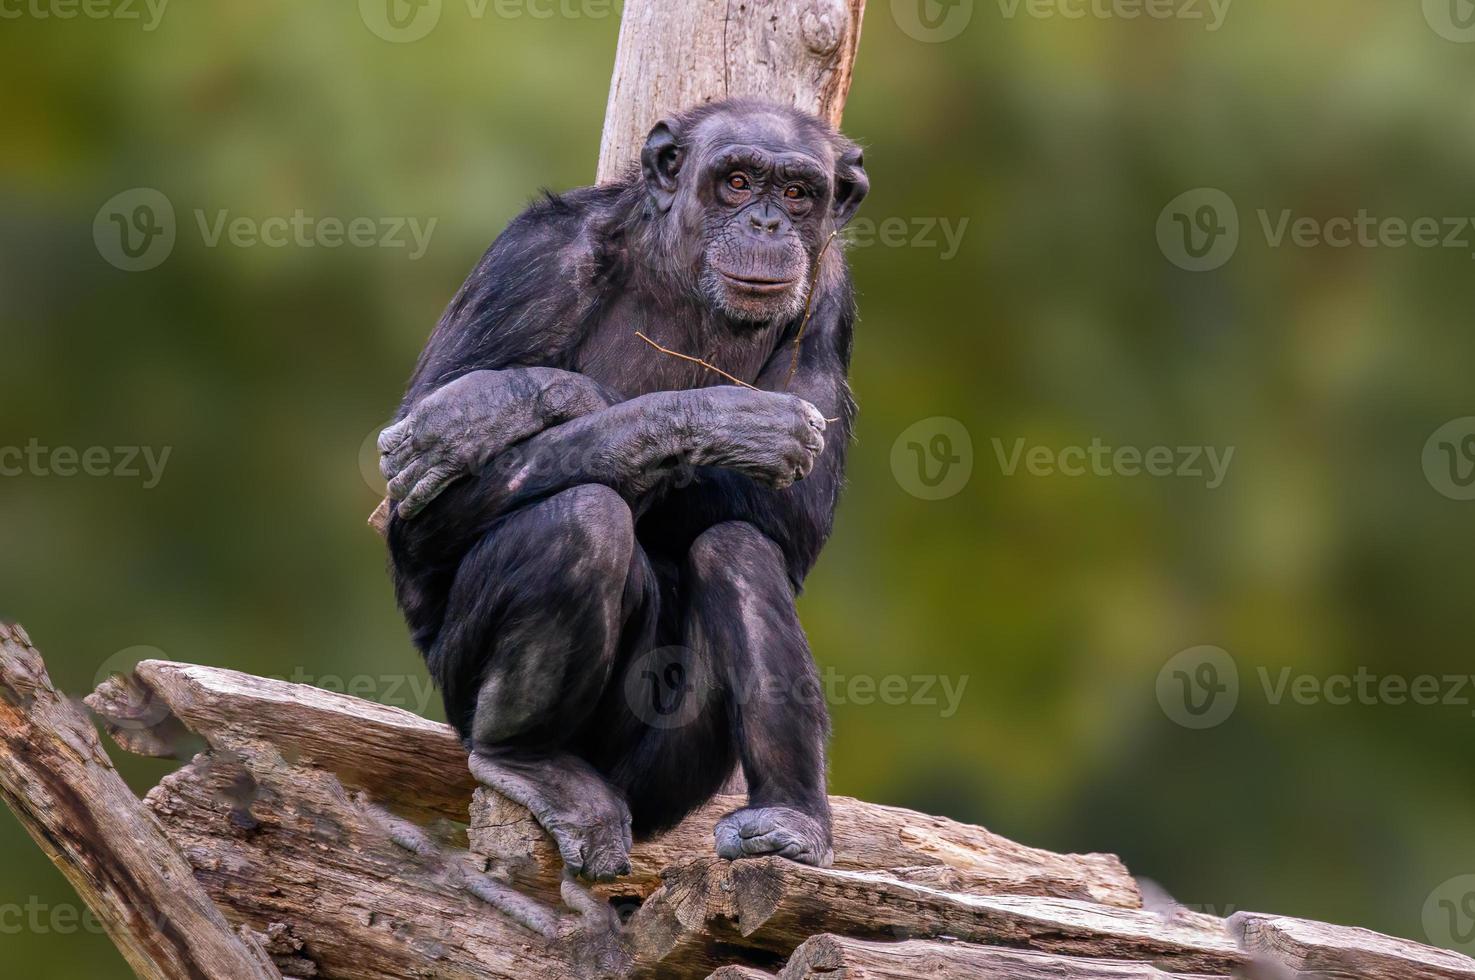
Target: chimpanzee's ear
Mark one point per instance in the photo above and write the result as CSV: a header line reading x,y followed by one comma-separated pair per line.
x,y
661,163
851,184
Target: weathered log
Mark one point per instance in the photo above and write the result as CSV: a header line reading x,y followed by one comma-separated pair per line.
x,y
740,973
913,846
285,847
339,866
419,767
827,957
58,780
1315,949
397,756
706,908
675,55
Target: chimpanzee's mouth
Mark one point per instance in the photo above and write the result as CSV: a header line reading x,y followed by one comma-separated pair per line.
x,y
759,284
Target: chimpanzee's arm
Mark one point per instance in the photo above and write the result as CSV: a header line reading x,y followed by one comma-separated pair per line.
x,y
495,368
459,428
771,437
798,518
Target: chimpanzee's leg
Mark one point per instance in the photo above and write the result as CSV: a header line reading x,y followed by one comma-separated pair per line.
x,y
530,637
662,733
740,611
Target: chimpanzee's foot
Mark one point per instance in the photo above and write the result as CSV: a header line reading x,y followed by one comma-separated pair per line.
x,y
588,819
785,831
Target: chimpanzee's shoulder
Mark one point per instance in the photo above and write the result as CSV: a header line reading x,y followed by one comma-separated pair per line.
x,y
573,207
566,227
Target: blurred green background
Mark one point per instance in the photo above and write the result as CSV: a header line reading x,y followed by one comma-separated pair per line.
x,y
1057,319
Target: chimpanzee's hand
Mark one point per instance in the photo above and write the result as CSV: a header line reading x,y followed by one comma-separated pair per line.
x,y
770,436
462,426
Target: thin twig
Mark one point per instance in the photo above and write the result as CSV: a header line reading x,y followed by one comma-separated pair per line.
x,y
808,308
695,360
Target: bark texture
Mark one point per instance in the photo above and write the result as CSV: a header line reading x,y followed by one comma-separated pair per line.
x,y
346,839
60,783
676,55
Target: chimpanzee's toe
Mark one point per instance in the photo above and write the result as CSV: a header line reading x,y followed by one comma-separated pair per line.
x,y
778,830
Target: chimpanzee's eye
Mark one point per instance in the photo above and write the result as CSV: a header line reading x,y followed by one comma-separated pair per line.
x,y
795,192
738,182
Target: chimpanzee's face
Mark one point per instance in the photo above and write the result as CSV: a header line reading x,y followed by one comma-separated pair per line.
x,y
765,205
761,193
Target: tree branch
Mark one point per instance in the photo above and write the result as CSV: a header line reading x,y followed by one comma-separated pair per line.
x,y
56,777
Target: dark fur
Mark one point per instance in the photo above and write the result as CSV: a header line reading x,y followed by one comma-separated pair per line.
x,y
548,588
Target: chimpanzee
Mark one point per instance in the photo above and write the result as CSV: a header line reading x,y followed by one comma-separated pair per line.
x,y
597,537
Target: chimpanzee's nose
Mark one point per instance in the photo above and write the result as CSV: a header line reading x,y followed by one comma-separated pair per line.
x,y
766,221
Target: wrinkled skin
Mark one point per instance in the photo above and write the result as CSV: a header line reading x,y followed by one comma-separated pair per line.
x,y
597,545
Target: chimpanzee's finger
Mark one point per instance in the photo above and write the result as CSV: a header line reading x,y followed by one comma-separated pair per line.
x,y
426,490
391,438
406,479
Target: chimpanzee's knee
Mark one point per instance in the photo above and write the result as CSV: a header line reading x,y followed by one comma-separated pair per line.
x,y
534,617
736,552
593,534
